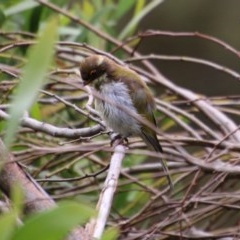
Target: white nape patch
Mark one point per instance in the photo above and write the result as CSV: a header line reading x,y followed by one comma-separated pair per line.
x,y
100,60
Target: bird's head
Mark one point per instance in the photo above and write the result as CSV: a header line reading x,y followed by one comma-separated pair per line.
x,y
92,68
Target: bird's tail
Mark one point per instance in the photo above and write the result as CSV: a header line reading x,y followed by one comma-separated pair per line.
x,y
152,141
165,169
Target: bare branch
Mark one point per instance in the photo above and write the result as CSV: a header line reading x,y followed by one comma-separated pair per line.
x,y
97,226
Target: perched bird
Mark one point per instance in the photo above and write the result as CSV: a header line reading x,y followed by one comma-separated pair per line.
x,y
125,98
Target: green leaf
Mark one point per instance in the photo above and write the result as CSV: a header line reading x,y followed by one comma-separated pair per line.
x,y
40,58
88,9
139,6
34,20
20,7
137,18
56,223
111,234
17,197
123,7
7,224
2,17
35,112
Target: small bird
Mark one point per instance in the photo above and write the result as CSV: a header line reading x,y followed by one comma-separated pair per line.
x,y
125,98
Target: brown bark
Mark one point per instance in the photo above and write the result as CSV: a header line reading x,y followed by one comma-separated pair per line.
x,y
36,199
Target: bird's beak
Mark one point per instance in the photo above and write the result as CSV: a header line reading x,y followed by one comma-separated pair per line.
x,y
85,83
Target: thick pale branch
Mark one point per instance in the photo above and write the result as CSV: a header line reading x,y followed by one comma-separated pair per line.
x,y
97,226
56,131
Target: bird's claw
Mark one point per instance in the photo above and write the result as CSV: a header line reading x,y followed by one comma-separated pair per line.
x,y
118,139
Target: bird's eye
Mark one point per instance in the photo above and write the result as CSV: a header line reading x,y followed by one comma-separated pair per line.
x,y
92,72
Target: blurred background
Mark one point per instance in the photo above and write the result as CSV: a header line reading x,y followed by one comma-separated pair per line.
x,y
218,18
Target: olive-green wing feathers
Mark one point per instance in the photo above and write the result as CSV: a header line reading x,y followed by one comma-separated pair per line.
x,y
144,103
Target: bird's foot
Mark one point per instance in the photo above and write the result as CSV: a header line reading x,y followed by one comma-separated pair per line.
x,y
118,139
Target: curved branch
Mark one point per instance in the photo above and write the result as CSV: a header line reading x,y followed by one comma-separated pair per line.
x,y
56,131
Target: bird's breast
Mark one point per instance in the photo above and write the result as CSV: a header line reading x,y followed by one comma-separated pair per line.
x,y
116,108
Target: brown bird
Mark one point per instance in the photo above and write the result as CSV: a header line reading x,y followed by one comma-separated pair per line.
x,y
124,92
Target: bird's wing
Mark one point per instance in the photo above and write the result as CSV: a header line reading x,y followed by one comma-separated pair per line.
x,y
143,101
